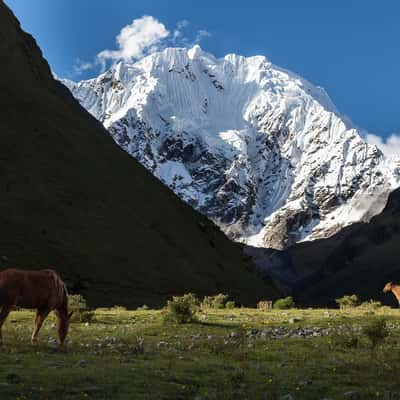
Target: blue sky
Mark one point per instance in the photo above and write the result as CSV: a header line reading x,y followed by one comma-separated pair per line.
x,y
350,47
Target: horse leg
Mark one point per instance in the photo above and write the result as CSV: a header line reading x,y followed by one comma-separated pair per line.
x,y
40,317
3,315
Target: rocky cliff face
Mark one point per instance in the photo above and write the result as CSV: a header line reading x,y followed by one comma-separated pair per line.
x,y
257,149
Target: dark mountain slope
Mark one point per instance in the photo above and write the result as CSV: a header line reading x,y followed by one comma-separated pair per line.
x,y
360,259
70,198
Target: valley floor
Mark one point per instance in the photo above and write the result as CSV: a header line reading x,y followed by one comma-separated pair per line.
x,y
228,354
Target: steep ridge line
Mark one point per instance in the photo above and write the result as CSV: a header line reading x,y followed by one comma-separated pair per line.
x,y
70,198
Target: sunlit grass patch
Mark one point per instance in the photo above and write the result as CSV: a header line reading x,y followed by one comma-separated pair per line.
x,y
224,354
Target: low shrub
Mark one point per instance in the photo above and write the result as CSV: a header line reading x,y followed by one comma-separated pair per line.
x,y
144,307
119,308
347,301
218,301
376,331
182,309
207,302
284,304
81,311
371,304
230,305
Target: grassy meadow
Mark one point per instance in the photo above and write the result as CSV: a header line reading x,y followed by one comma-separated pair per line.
x,y
235,353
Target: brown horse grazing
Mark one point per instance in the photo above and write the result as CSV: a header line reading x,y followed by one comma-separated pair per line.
x,y
395,289
41,290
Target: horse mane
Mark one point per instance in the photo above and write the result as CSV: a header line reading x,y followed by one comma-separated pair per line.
x,y
60,286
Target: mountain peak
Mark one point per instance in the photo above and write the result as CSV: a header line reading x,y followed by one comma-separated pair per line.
x,y
73,200
195,52
256,148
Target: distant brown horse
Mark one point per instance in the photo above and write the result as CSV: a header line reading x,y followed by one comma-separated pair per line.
x,y
41,290
395,289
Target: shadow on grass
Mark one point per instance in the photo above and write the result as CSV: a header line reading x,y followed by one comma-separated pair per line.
x,y
218,324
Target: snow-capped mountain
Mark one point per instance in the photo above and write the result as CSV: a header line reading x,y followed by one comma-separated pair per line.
x,y
259,150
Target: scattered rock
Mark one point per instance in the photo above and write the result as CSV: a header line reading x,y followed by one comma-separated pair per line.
x,y
286,397
55,365
82,364
252,332
52,342
352,395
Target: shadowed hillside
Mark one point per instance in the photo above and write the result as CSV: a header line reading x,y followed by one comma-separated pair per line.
x,y
71,199
360,259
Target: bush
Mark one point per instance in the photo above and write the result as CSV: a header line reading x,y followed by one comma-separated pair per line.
x,y
376,331
374,304
218,301
182,309
230,305
284,304
81,311
347,301
118,308
144,307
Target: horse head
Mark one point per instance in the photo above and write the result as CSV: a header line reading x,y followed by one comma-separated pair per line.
x,y
63,325
388,287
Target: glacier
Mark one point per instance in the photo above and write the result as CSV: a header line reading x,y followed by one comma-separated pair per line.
x,y
256,148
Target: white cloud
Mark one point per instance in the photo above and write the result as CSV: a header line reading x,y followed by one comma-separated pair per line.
x,y
180,38
143,36
178,35
134,40
81,66
389,146
201,34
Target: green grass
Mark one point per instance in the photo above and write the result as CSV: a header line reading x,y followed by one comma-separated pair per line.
x,y
135,355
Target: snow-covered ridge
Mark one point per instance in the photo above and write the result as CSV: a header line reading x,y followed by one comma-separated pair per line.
x,y
258,149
